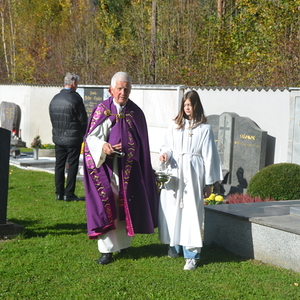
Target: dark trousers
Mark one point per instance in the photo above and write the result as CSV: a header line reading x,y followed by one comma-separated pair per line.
x,y
69,155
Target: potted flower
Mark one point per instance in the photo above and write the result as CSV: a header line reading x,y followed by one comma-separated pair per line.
x,y
47,150
36,145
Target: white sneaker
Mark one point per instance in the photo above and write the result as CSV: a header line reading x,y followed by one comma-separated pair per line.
x,y
190,264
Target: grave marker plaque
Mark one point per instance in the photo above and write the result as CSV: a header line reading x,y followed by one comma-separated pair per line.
x,y
92,97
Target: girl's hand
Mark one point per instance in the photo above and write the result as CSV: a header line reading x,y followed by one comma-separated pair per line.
x,y
163,157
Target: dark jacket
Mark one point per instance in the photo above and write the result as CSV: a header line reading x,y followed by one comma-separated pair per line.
x,y
68,117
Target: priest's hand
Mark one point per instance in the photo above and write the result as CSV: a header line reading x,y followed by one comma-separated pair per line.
x,y
108,148
117,147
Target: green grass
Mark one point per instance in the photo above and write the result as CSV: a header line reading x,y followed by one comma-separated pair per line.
x,y
54,259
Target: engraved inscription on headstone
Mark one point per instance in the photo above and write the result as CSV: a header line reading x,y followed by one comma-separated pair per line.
x,y
92,97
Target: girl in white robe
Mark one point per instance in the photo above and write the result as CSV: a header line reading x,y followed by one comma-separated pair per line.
x,y
190,154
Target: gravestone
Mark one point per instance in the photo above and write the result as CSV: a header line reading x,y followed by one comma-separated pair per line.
x,y
241,146
213,120
249,151
4,169
7,228
10,118
225,141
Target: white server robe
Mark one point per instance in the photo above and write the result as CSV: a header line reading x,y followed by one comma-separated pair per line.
x,y
193,161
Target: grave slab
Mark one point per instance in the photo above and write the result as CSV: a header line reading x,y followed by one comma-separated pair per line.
x,y
295,211
263,231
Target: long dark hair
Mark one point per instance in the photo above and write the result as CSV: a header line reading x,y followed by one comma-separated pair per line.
x,y
198,111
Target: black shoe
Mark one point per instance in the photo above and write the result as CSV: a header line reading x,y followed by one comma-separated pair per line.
x,y
73,198
124,251
59,197
106,258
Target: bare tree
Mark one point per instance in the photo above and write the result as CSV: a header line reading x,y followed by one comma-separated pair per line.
x,y
8,37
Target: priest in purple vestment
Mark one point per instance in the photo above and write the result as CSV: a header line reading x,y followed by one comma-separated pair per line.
x,y
121,191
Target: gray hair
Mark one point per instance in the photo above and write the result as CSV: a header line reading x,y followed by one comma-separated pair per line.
x,y
120,76
69,78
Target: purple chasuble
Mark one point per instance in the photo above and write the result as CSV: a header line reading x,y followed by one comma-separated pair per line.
x,y
138,189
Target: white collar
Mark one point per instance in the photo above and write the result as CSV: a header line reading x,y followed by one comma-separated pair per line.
x,y
118,106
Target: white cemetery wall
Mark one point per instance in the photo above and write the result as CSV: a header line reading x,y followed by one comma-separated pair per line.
x,y
34,102
294,127
160,105
269,109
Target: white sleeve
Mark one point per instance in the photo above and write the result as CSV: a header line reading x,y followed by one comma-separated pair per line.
x,y
95,141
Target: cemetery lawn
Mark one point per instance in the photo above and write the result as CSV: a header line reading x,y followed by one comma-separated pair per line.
x,y
54,259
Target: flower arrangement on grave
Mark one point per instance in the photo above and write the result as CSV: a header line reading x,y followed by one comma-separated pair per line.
x,y
37,142
48,146
213,199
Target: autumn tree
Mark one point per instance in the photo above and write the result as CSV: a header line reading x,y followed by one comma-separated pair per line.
x,y
191,42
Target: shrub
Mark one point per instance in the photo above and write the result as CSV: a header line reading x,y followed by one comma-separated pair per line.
x,y
278,181
244,198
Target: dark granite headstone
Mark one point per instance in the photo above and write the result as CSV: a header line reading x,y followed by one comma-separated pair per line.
x,y
92,97
7,228
241,146
4,171
249,151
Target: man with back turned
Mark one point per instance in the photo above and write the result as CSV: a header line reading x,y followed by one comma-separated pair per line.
x,y
69,121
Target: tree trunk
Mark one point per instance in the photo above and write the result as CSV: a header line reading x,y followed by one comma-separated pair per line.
x,y
221,8
4,43
153,43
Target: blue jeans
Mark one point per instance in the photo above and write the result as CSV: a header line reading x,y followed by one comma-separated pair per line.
x,y
186,253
